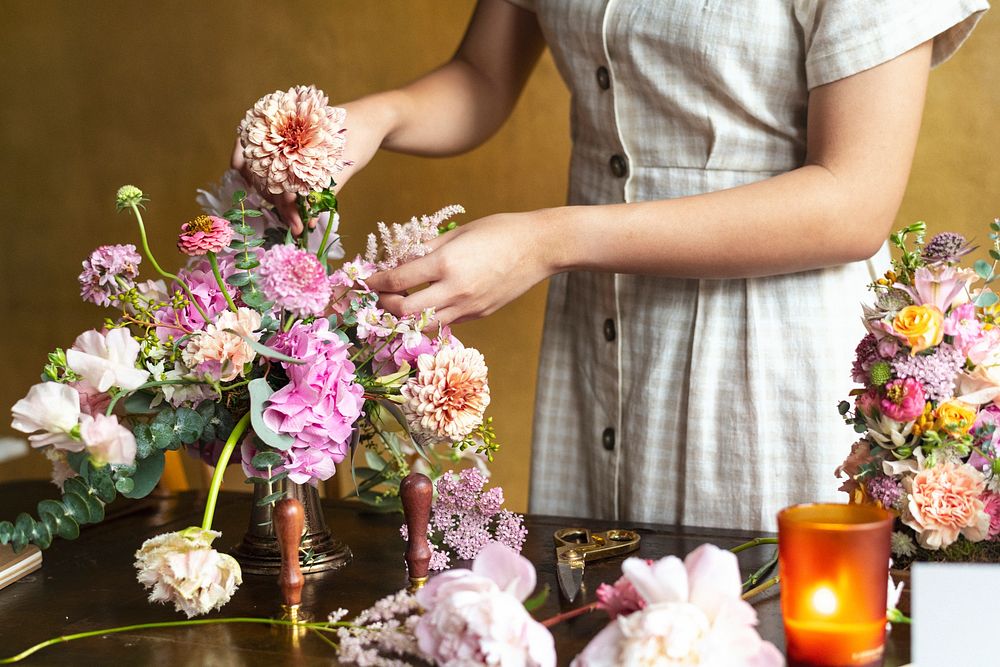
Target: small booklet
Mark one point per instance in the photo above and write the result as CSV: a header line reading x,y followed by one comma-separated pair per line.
x,y
14,566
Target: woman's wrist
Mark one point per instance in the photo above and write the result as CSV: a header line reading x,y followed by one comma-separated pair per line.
x,y
556,239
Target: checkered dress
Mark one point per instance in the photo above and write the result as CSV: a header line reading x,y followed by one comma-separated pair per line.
x,y
704,402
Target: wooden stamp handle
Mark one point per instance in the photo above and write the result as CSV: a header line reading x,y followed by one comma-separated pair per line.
x,y
289,520
416,491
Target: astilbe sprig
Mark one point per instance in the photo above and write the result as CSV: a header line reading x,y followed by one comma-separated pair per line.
x,y
401,243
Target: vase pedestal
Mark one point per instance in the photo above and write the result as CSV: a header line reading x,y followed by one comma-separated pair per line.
x,y
259,553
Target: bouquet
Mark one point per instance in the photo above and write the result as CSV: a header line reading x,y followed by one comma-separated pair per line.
x,y
259,343
929,404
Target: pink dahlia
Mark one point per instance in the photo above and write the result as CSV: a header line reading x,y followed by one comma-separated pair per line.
x,y
204,234
110,270
904,400
295,280
293,141
448,395
946,501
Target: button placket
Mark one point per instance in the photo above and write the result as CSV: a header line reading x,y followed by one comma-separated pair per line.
x,y
608,439
619,165
603,78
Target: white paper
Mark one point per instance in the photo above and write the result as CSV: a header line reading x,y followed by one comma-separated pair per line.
x,y
956,614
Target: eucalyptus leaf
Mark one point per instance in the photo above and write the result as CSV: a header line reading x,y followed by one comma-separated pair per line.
x,y
247,263
264,460
41,535
265,351
255,299
238,279
252,213
143,440
76,460
76,508
260,391
983,269
147,474
273,498
6,530
986,299
138,403
125,486
102,484
162,429
188,425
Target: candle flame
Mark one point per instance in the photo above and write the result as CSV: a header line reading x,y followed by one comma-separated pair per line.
x,y
824,601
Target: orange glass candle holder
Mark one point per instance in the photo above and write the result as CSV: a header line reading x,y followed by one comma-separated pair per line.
x,y
834,568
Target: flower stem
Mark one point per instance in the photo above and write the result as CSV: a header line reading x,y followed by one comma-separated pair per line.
x,y
220,469
321,254
165,274
316,627
218,278
572,613
755,542
760,589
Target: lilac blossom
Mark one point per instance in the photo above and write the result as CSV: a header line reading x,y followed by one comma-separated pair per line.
x,y
109,271
936,371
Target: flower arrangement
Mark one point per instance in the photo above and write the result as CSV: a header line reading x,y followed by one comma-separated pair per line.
x,y
929,403
258,342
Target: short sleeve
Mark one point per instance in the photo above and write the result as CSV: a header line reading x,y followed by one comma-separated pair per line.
x,y
524,4
844,37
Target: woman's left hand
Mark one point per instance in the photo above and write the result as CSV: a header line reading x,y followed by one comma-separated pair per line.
x,y
472,271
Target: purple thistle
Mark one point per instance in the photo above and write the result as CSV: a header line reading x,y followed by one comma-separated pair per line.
x,y
936,371
947,248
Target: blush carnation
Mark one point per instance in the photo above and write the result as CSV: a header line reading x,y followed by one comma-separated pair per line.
x,y
991,505
204,234
221,350
293,141
295,280
619,598
944,501
110,270
448,395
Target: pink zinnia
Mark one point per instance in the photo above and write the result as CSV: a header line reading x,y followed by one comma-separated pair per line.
x,y
945,501
293,141
295,280
204,234
904,400
448,395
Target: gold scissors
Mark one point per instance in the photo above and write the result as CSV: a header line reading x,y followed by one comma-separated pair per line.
x,y
576,546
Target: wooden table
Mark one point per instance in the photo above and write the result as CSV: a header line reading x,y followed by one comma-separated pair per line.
x,y
90,584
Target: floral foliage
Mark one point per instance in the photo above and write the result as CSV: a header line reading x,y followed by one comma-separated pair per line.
x,y
926,411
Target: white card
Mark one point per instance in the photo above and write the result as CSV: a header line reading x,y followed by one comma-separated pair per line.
x,y
956,614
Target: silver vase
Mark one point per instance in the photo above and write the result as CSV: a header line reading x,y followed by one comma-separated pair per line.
x,y
258,553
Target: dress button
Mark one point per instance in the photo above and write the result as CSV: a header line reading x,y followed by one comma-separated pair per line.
x,y
618,166
603,78
608,438
609,330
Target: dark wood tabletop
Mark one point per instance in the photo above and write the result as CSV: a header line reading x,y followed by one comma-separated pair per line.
x,y
90,584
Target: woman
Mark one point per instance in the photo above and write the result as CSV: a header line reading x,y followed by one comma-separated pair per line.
x,y
734,167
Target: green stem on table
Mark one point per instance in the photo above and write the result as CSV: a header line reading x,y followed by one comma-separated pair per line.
x,y
760,589
218,278
764,570
755,542
220,469
316,627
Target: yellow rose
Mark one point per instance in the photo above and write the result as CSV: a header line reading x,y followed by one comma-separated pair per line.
x,y
920,326
955,418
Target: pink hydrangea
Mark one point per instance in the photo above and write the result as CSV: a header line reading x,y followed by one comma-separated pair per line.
x,y
204,234
991,505
320,403
904,400
295,280
108,271
293,141
944,501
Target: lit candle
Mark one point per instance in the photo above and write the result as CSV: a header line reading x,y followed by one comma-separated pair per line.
x,y
834,565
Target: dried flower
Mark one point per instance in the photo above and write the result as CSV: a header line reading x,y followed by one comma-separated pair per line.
x,y
902,545
204,234
382,635
448,395
184,569
108,271
295,280
402,243
293,141
945,501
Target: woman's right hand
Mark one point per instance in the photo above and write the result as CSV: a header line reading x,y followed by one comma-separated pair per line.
x,y
368,122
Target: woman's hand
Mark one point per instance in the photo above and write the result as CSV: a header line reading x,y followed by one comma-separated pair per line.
x,y
473,270
368,121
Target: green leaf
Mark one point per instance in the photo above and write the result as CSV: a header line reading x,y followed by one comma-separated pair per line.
x,y
102,484
77,460
162,429
51,507
986,299
41,535
247,263
265,351
264,460
125,486
994,254
252,213
537,600
23,527
76,508
273,498
238,279
983,269
255,299
138,403
243,230
239,196
6,531
188,425
143,440
147,474
233,215
260,391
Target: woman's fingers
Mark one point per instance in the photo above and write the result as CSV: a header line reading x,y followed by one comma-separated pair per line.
x,y
406,277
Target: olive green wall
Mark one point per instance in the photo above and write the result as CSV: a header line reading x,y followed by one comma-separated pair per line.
x,y
100,93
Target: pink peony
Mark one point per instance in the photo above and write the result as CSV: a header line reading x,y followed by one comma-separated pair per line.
x,y
204,234
221,349
991,505
448,395
293,141
107,441
320,403
476,617
945,500
904,400
693,615
295,280
53,410
107,360
108,271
